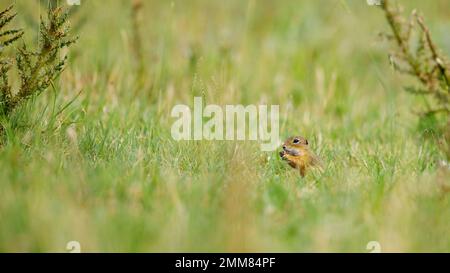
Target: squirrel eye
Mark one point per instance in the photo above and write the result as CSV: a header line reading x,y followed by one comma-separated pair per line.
x,y
296,141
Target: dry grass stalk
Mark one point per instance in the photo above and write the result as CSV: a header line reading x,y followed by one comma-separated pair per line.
x,y
38,68
416,54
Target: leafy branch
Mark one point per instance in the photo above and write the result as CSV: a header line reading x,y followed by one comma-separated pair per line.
x,y
420,59
36,69
417,55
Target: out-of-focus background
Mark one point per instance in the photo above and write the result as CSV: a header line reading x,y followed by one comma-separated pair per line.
x,y
106,172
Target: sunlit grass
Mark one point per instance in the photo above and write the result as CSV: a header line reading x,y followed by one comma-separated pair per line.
x,y
106,172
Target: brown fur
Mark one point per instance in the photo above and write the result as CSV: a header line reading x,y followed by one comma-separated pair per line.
x,y
298,155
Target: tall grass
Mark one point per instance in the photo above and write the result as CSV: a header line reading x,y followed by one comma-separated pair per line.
x,y
417,55
36,69
106,172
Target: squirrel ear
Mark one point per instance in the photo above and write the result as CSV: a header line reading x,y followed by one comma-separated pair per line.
x,y
306,141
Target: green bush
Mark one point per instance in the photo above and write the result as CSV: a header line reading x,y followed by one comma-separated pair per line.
x,y
37,69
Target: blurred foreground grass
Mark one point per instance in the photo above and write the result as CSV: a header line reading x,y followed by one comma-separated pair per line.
x,y
106,172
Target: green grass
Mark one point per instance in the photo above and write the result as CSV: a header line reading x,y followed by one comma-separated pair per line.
x,y
106,172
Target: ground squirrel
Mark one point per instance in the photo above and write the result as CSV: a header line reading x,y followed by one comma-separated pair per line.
x,y
298,155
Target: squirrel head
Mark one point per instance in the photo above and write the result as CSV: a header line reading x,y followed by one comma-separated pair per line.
x,y
295,145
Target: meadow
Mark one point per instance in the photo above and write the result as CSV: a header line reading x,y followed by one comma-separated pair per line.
x,y
93,160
